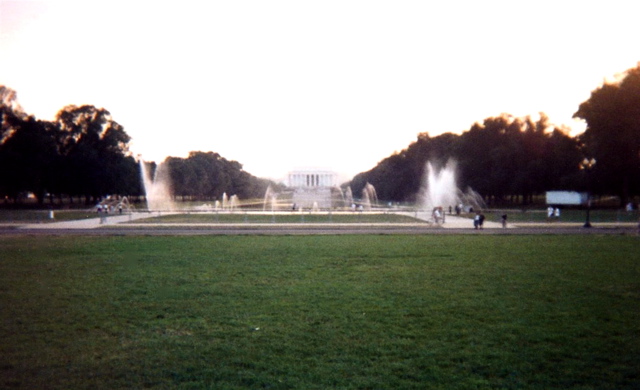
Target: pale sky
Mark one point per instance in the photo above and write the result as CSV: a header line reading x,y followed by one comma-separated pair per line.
x,y
279,85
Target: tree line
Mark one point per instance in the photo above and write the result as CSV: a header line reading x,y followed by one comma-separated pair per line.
x,y
511,160
83,155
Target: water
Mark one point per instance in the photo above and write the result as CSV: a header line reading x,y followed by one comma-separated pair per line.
x,y
270,199
157,189
369,196
233,202
439,189
225,201
348,197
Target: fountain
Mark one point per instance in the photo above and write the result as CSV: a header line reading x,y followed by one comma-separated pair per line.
x,y
369,196
348,197
439,189
270,199
233,202
224,201
157,189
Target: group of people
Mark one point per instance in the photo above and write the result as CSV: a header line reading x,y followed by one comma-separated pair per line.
x,y
103,211
438,215
553,212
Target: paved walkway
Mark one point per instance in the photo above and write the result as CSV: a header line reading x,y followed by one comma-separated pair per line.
x,y
91,223
451,222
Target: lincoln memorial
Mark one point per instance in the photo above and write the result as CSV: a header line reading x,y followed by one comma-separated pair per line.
x,y
312,178
313,188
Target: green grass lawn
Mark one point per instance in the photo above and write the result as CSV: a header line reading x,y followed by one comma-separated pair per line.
x,y
42,216
241,217
318,312
566,215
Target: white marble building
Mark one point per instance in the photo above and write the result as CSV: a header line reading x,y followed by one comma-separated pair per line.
x,y
311,178
313,188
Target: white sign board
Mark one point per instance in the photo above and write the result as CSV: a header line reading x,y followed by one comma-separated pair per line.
x,y
566,197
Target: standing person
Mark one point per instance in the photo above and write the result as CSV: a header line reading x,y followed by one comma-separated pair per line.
x,y
436,214
549,212
476,221
504,220
481,220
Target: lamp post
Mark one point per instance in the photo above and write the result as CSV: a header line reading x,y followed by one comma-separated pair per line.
x,y
587,165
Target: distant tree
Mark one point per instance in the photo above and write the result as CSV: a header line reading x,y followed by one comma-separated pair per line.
x,y
503,158
11,114
27,150
488,156
94,148
612,137
28,158
208,175
399,176
562,160
507,156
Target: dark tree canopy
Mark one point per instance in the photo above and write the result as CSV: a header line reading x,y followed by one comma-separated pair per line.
x,y
612,137
501,157
85,153
11,114
207,176
95,150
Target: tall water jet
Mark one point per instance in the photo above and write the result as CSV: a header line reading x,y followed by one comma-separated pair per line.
x,y
225,201
439,189
270,199
157,189
348,197
233,202
369,196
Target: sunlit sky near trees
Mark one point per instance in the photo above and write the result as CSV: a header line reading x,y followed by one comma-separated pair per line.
x,y
279,85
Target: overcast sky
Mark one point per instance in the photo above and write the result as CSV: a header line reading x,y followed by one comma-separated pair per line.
x,y
279,85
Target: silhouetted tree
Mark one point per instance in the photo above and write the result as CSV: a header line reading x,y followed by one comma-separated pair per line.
x,y
612,137
94,148
500,157
207,176
399,176
28,158
11,114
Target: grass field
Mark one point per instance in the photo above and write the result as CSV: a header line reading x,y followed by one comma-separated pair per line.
x,y
42,216
567,215
318,312
241,217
